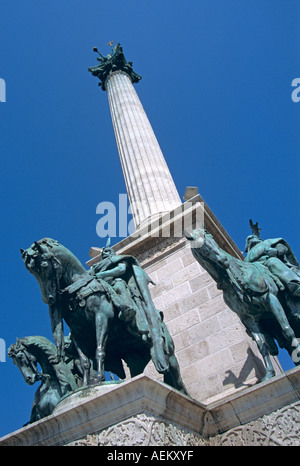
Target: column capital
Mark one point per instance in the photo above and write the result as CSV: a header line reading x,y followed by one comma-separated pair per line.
x,y
114,61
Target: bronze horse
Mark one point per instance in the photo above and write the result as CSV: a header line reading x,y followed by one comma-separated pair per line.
x,y
56,380
97,331
251,291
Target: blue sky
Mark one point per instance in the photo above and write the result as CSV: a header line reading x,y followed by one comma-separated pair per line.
x,y
217,89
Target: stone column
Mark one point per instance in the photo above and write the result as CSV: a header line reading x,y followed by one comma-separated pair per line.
x,y
150,187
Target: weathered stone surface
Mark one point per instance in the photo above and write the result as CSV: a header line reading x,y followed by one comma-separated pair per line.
x,y
144,412
207,334
281,428
143,430
126,403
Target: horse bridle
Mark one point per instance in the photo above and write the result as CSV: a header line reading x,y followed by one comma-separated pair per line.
x,y
30,359
48,256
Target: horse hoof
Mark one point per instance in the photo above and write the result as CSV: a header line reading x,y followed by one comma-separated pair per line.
x,y
268,376
96,380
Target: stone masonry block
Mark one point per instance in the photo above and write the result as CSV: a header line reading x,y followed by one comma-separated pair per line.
x,y
169,269
175,255
153,276
227,317
158,303
181,340
183,322
190,355
154,267
239,350
215,363
162,286
225,337
237,374
213,291
212,384
188,273
176,294
190,374
203,330
200,281
194,301
171,312
187,257
212,308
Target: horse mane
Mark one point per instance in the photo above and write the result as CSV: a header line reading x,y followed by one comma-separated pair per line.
x,y
64,255
39,343
44,346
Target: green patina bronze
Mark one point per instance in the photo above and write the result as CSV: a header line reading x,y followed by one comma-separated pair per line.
x,y
57,380
114,61
109,311
263,290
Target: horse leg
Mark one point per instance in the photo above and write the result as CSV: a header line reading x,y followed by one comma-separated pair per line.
x,y
84,364
173,377
264,351
101,336
103,314
136,362
34,416
259,338
294,307
279,314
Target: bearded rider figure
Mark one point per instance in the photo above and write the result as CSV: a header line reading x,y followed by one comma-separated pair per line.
x,y
130,282
278,257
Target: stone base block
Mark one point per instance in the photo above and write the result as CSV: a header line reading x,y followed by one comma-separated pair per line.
x,y
146,412
141,411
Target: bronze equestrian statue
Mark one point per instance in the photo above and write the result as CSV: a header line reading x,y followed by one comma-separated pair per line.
x,y
108,309
263,290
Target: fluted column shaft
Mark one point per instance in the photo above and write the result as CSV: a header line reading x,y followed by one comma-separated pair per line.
x,y
150,186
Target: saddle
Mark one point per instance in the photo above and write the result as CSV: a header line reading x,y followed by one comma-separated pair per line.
x,y
86,286
83,287
252,279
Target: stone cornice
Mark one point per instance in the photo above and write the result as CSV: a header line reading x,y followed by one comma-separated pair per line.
x,y
142,394
143,240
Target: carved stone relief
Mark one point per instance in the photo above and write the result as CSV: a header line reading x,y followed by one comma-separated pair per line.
x,y
142,430
281,428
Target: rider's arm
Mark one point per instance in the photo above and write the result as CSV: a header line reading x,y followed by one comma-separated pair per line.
x,y
113,273
271,252
57,331
256,253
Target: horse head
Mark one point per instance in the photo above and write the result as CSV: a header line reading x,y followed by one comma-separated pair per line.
x,y
52,265
56,379
25,361
207,252
40,260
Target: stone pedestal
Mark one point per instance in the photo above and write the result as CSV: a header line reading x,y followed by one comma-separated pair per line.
x,y
215,354
140,411
146,412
